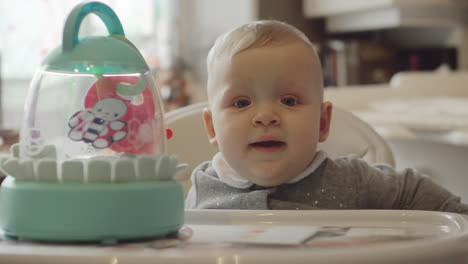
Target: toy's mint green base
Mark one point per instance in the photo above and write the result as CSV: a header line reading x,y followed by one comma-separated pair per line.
x,y
90,212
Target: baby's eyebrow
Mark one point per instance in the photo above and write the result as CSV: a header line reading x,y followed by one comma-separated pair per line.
x,y
291,87
229,90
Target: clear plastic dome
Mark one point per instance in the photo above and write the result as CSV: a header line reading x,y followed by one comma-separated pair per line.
x,y
86,115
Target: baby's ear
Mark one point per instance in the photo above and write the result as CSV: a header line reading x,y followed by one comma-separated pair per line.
x,y
325,120
209,126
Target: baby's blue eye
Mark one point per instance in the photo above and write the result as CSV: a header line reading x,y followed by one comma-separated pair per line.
x,y
241,103
289,101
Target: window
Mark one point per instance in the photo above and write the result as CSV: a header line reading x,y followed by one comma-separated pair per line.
x,y
29,30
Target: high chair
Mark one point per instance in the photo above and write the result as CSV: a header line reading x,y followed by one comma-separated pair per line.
x,y
349,135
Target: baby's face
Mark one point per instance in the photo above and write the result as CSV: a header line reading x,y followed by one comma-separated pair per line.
x,y
266,112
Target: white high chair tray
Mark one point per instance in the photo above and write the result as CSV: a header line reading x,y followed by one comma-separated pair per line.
x,y
250,236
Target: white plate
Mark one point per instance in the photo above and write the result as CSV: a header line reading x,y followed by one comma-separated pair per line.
x,y
240,237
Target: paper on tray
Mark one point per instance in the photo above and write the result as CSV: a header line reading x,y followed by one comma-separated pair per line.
x,y
285,235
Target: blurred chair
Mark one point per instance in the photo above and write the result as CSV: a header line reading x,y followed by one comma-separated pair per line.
x,y
349,135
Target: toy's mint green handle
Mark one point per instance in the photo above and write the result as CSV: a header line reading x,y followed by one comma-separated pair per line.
x,y
72,26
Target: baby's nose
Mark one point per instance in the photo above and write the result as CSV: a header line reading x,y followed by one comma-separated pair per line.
x,y
266,119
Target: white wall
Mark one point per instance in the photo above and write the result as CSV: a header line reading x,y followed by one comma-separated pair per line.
x,y
207,20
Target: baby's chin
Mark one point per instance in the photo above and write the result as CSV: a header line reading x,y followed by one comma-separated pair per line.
x,y
267,173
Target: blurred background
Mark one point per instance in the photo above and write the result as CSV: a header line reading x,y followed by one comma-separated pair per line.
x,y
360,42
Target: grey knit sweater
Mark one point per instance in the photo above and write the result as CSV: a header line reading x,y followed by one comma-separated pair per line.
x,y
343,183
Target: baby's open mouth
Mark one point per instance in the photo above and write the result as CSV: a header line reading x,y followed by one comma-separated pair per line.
x,y
268,146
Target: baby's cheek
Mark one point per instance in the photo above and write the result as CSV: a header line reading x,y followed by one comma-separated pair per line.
x,y
305,134
231,140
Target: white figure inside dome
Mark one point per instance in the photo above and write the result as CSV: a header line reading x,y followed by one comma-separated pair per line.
x,y
101,126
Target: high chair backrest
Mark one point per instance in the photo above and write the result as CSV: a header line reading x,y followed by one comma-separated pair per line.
x,y
349,135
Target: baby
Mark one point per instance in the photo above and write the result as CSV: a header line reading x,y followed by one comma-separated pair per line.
x,y
266,115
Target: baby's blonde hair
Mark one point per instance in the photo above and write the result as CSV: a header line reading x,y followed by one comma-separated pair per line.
x,y
252,35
